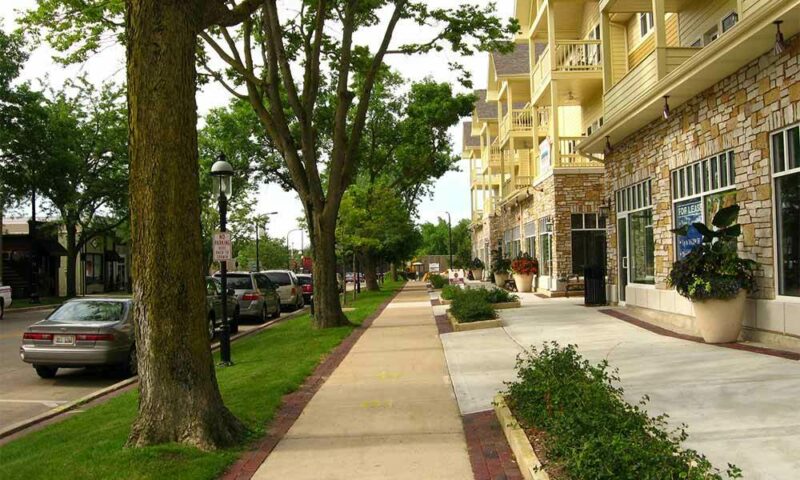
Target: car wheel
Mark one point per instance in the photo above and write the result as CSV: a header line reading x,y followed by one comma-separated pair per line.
x,y
131,367
211,328
45,372
234,325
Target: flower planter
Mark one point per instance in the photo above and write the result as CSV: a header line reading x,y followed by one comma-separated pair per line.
x,y
477,325
477,273
506,305
720,321
500,279
524,282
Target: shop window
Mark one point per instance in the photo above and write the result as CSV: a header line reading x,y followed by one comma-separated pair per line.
x,y
93,266
546,245
786,173
588,241
699,191
530,239
634,210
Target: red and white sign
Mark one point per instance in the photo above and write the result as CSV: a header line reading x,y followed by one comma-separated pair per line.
x,y
223,249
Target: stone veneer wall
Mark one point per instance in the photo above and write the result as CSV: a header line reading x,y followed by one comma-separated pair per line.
x,y
574,193
737,113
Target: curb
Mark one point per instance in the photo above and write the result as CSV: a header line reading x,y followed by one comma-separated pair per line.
x,y
33,309
55,412
528,462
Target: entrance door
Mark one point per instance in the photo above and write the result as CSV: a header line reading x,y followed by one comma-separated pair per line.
x,y
622,254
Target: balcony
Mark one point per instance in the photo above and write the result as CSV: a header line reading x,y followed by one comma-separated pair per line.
x,y
518,121
579,61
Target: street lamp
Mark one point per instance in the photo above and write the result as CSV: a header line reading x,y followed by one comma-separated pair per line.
x,y
449,240
222,187
258,262
288,248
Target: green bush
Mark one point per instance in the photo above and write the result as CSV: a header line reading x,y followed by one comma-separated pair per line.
x,y
438,281
498,295
472,306
449,292
591,431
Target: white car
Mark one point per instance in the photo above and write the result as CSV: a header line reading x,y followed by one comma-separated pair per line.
x,y
5,299
289,288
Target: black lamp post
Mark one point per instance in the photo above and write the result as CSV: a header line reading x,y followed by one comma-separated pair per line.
x,y
449,241
222,179
258,260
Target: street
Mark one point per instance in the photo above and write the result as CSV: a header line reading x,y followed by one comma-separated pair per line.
x,y
24,394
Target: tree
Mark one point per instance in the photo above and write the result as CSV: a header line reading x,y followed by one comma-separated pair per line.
x,y
435,241
297,77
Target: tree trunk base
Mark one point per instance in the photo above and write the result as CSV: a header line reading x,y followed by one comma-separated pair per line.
x,y
217,429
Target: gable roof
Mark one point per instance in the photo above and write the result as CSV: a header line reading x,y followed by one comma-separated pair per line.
x,y
469,140
514,63
485,110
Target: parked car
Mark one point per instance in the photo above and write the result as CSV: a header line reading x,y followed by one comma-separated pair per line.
x,y
82,333
214,307
307,286
288,288
5,299
257,296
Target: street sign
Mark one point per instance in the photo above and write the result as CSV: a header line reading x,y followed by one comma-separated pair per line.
x,y
223,250
433,268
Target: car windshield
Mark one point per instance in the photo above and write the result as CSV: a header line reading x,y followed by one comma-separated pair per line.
x,y
240,282
304,280
279,278
95,311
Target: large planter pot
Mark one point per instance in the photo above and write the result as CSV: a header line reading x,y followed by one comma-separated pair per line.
x,y
477,273
524,282
720,321
500,279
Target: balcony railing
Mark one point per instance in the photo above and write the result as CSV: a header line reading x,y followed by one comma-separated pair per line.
x,y
578,56
541,72
569,156
518,120
543,120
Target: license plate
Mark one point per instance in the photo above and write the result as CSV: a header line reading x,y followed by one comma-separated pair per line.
x,y
64,340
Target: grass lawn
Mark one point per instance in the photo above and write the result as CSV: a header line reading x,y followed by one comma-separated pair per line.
x,y
270,364
43,301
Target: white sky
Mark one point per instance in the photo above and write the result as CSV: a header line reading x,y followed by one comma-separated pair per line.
x,y
451,191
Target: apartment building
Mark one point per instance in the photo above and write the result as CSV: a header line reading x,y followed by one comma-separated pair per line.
x,y
532,190
679,108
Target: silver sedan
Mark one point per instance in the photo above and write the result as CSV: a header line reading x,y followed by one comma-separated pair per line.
x,y
82,333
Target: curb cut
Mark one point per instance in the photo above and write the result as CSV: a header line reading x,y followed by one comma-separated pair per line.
x,y
61,409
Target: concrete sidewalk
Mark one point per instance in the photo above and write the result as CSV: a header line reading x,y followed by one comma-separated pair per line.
x,y
740,407
388,411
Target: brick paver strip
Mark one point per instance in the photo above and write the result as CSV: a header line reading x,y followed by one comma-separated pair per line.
x,y
489,453
669,333
294,403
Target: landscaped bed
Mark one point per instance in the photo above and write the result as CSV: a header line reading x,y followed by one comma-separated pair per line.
x,y
270,364
566,419
471,309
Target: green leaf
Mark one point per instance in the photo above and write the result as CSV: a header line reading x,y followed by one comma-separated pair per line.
x,y
731,232
704,230
681,231
726,216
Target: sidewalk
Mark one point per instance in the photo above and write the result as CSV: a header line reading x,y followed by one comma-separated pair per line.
x,y
740,407
388,410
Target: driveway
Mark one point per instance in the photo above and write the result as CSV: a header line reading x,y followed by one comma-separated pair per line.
x,y
740,407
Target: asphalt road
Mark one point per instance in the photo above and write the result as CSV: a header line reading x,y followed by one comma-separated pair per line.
x,y
23,394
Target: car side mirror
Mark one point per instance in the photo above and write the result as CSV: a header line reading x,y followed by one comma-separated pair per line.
x,y
231,292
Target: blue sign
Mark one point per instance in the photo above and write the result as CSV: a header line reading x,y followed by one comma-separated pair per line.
x,y
687,213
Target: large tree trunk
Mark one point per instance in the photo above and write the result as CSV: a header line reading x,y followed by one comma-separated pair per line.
x,y
72,254
394,271
327,309
370,272
179,400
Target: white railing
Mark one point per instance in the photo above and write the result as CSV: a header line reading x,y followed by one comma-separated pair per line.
x,y
578,55
569,156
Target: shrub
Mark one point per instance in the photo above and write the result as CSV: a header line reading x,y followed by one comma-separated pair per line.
x,y
438,281
591,431
476,263
499,295
525,265
472,306
499,263
713,268
449,292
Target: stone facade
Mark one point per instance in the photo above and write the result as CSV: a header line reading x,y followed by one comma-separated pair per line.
x,y
737,114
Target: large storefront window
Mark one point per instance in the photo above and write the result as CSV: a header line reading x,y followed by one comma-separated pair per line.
x,y
546,245
94,268
636,248
516,246
530,238
588,241
786,171
699,191
642,247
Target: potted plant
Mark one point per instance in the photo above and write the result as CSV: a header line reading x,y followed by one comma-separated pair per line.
x,y
476,265
714,278
500,267
524,268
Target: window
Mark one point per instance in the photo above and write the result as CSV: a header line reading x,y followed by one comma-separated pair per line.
x,y
546,245
699,191
530,238
729,21
588,241
93,267
698,43
710,35
645,23
516,246
786,172
634,203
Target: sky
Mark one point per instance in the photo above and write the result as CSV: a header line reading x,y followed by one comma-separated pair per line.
x,y
451,192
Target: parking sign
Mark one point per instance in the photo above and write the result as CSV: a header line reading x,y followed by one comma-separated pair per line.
x,y
223,251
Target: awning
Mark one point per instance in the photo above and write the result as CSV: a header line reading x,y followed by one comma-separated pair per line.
x,y
51,247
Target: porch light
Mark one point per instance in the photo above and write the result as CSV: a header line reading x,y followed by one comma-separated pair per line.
x,y
608,148
780,43
666,107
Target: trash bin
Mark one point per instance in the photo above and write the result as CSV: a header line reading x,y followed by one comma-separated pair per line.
x,y
594,278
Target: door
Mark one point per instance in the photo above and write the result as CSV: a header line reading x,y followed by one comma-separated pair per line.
x,y
622,254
